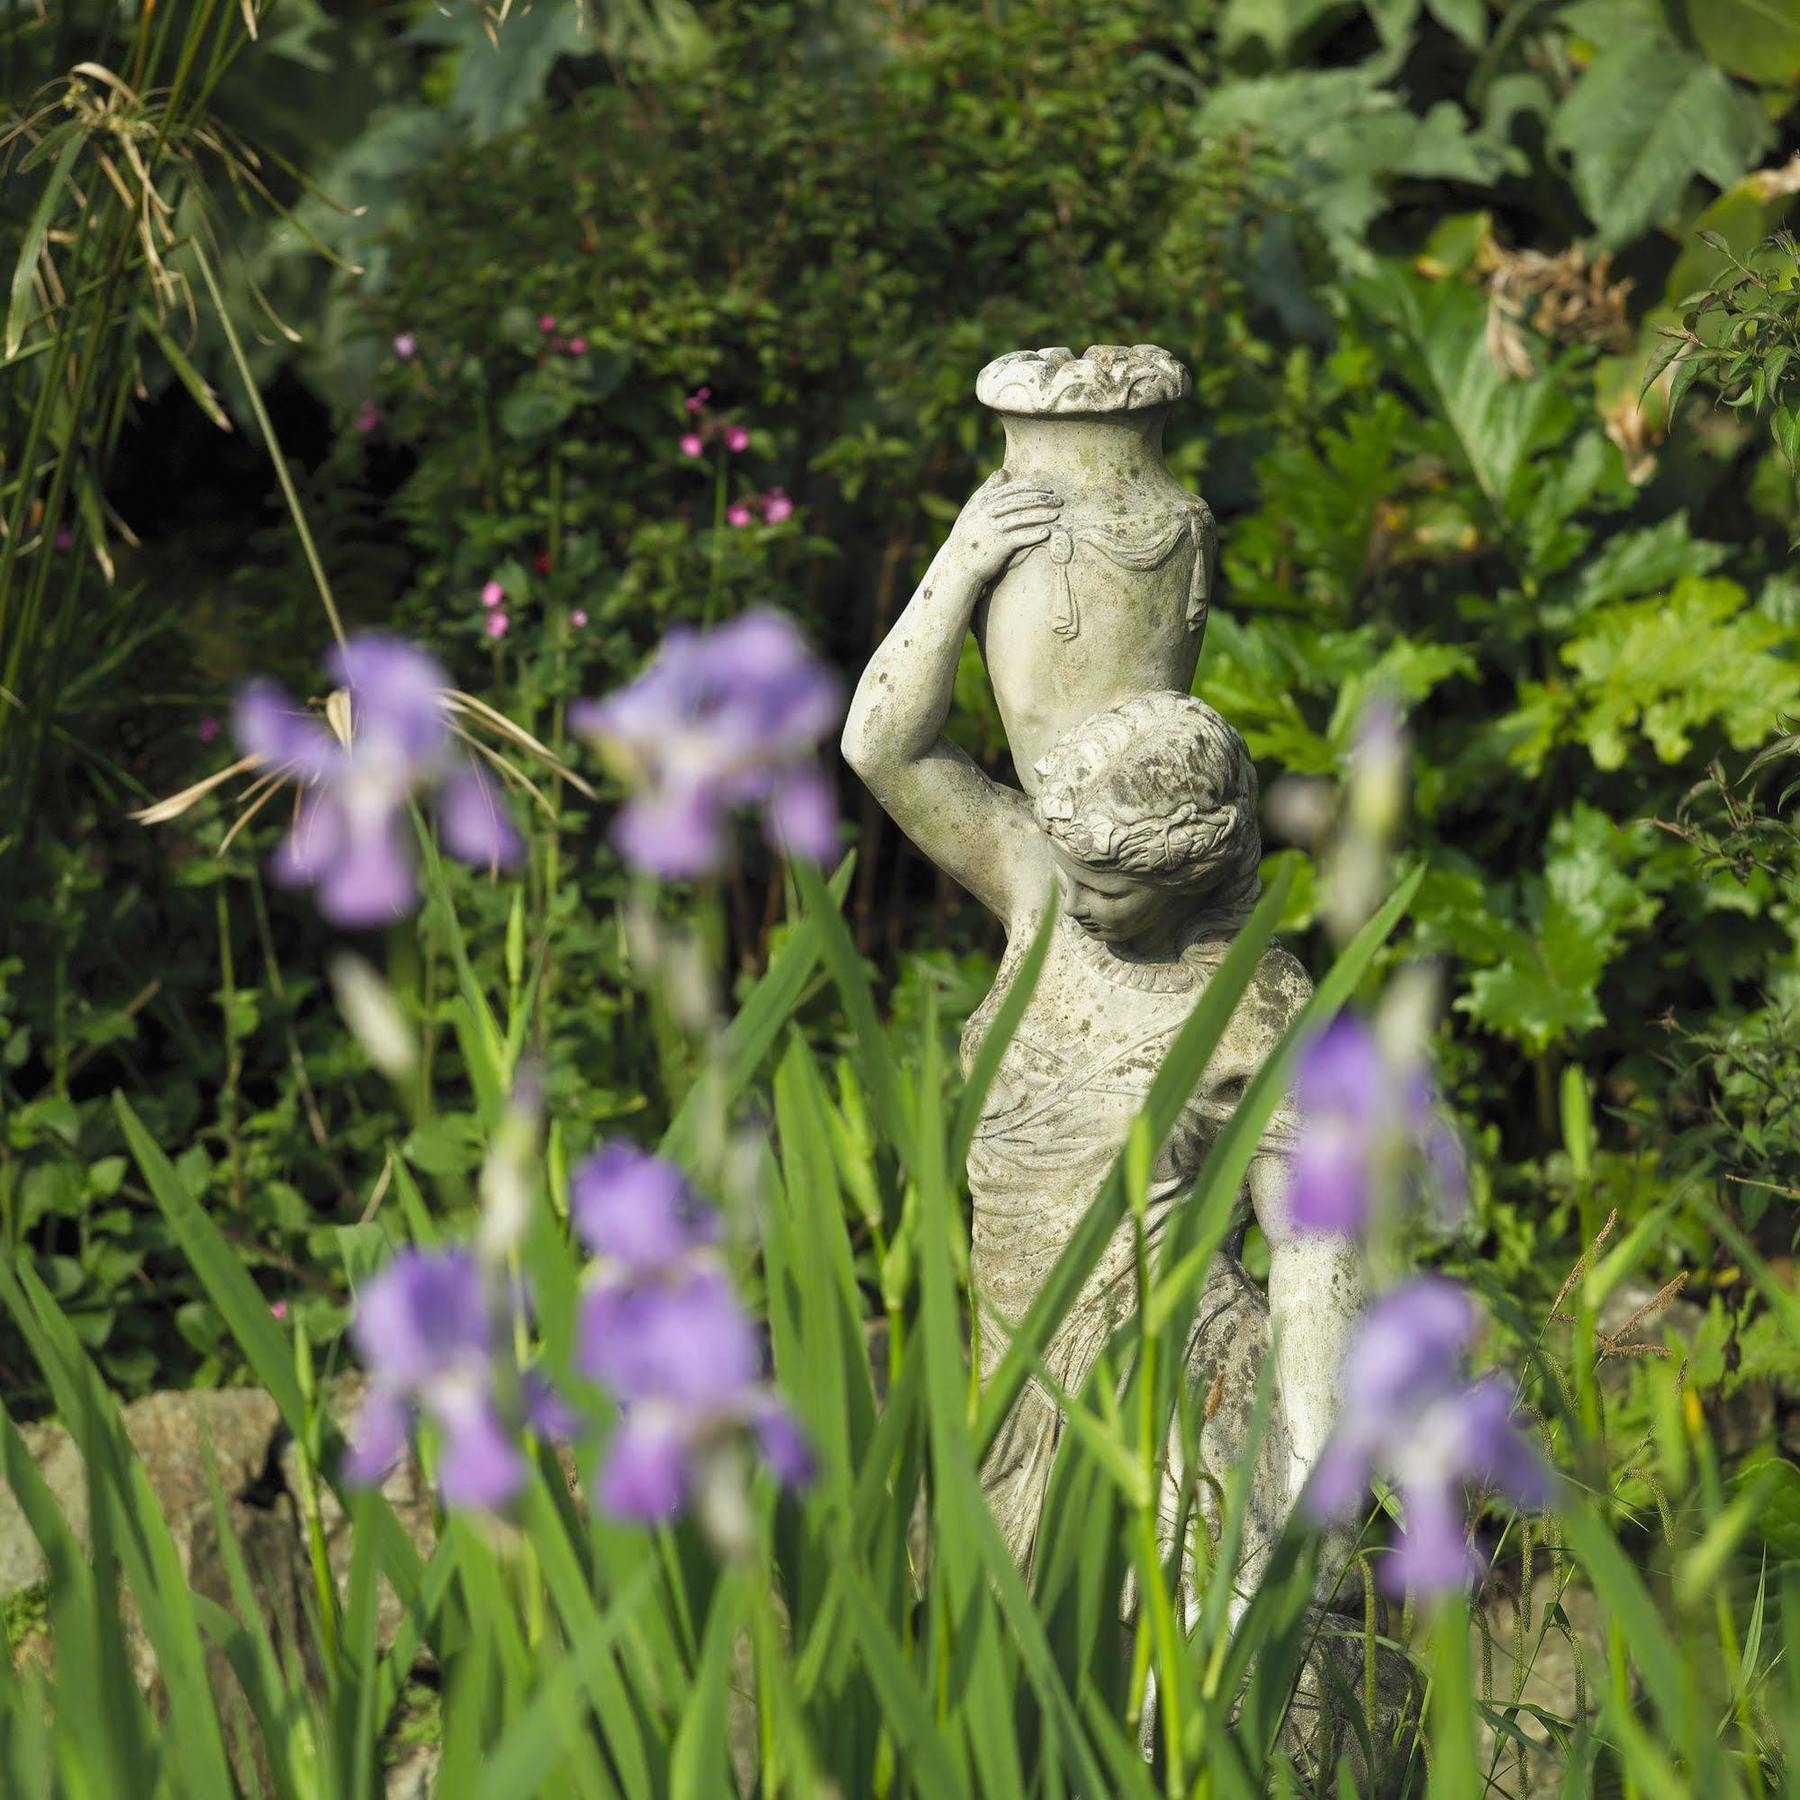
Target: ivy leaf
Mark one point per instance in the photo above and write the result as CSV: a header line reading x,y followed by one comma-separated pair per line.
x,y
1646,118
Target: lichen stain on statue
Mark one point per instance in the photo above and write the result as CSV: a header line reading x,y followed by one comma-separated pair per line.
x,y
1086,572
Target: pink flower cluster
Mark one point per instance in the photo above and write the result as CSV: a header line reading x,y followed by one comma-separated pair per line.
x,y
496,624
569,346
706,427
773,507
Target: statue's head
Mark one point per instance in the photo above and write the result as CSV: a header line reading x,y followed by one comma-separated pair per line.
x,y
1150,807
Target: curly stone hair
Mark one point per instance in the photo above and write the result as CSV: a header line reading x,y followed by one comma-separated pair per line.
x,y
1160,787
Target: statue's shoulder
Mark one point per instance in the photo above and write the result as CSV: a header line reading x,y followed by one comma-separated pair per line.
x,y
1281,977
1278,989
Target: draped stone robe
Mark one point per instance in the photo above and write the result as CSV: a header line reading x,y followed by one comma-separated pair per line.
x,y
1078,1070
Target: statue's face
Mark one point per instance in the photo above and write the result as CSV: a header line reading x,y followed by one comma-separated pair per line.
x,y
1115,908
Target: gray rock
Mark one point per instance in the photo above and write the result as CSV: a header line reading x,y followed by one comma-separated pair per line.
x,y
167,1431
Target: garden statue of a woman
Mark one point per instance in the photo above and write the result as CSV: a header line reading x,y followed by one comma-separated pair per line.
x,y
1138,823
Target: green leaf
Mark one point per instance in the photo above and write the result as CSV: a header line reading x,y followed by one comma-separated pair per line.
x,y
1497,423
1543,984
1757,39
189,377
749,1037
699,1765
999,1034
1276,24
538,404
1463,19
1647,117
1645,561
221,1271
1664,668
31,247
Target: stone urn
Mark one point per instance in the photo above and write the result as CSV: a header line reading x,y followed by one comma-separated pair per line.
x,y
1114,603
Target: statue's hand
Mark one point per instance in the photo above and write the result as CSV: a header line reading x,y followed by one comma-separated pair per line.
x,y
1001,521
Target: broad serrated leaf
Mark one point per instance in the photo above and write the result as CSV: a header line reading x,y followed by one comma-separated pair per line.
x,y
1646,118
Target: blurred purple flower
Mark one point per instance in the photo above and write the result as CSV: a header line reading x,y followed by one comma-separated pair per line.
x,y
476,826
578,618
736,438
686,1339
424,1331
207,729
663,1330
64,537
546,322
350,840
1409,1414
777,506
683,1358
692,444
722,719
368,417
405,345
492,594
738,513
696,401
637,1209
1363,1118
578,346
496,625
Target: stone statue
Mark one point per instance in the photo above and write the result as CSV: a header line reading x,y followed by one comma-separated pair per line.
x,y
1086,572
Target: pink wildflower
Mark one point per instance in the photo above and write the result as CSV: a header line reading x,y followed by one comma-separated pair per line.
x,y
207,729
278,1310
578,346
692,443
777,506
496,625
64,537
492,594
547,322
405,344
368,418
737,514
698,398
736,438
578,618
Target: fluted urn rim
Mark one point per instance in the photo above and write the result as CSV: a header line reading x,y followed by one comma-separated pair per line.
x,y
1105,378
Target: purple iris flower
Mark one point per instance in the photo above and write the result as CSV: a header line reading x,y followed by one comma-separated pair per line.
x,y
684,1360
663,1330
686,1340
1363,1116
426,1332
1409,1413
349,840
637,1209
720,720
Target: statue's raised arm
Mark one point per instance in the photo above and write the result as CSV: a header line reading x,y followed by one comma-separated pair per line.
x,y
975,830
